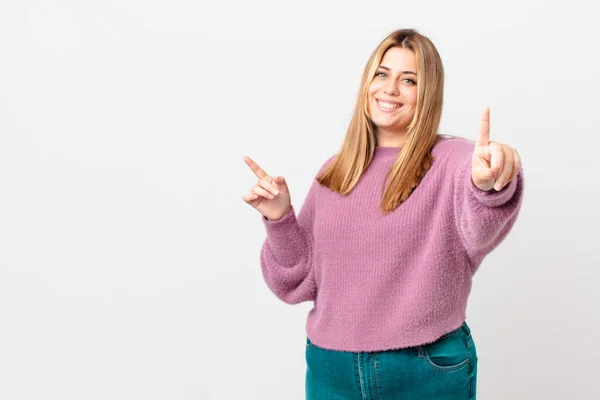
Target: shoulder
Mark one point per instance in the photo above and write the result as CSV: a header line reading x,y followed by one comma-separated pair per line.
x,y
452,147
326,163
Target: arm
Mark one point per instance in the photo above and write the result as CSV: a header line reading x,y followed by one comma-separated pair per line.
x,y
483,218
287,253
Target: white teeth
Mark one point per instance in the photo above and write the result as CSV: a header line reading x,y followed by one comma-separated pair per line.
x,y
383,104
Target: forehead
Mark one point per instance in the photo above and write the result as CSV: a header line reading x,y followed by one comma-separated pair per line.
x,y
398,58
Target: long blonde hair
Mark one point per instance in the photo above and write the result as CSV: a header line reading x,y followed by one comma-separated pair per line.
x,y
414,160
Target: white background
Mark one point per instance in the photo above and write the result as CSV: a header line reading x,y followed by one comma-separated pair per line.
x,y
129,263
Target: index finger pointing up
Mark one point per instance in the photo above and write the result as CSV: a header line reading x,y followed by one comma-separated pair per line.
x,y
483,139
258,171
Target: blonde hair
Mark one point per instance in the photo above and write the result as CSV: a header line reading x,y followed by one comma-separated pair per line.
x,y
414,160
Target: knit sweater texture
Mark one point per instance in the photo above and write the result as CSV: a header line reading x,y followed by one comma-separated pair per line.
x,y
380,282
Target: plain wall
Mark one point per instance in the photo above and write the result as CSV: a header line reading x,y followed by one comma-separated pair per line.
x,y
129,263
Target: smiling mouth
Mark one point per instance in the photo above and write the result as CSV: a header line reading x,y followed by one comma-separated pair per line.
x,y
387,107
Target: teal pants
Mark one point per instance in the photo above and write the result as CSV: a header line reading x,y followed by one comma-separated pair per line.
x,y
443,370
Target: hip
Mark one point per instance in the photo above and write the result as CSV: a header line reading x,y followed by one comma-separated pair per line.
x,y
443,370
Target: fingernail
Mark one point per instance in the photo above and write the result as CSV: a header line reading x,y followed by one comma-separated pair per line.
x,y
498,187
276,191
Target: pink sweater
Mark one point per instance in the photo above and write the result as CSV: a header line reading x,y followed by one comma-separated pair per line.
x,y
388,282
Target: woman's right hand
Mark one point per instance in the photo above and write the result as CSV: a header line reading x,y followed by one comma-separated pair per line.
x,y
270,196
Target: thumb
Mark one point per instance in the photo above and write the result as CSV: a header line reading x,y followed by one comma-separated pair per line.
x,y
280,183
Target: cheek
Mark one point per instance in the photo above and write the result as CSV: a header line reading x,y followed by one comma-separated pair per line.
x,y
410,96
370,96
373,88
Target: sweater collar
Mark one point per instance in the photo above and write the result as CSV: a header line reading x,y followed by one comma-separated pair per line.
x,y
386,152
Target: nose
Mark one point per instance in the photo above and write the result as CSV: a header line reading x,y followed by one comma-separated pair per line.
x,y
390,88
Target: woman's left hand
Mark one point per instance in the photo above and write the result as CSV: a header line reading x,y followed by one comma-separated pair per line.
x,y
494,164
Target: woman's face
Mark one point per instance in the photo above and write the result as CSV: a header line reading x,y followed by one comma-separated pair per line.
x,y
392,95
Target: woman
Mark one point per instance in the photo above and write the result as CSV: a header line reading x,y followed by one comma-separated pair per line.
x,y
392,230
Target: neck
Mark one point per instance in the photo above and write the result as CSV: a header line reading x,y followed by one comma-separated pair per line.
x,y
391,139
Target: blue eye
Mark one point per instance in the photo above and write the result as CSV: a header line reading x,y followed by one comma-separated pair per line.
x,y
380,74
410,81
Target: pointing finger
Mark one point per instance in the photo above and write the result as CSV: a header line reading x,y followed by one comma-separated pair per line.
x,y
258,171
483,139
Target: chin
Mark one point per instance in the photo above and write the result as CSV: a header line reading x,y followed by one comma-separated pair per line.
x,y
392,127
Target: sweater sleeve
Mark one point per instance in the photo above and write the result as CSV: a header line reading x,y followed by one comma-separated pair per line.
x,y
287,253
483,218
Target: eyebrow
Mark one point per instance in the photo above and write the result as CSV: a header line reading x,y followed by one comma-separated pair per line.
x,y
404,72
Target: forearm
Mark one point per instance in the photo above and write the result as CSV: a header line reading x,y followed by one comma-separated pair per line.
x,y
286,259
484,218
